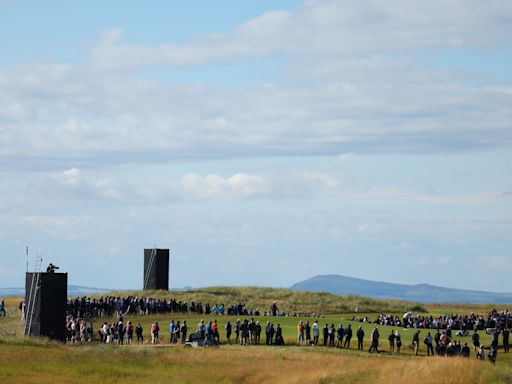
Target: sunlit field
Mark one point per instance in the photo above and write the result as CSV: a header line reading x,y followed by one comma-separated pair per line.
x,y
38,360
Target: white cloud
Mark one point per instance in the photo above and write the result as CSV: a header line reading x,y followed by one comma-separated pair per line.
x,y
240,185
348,78
326,28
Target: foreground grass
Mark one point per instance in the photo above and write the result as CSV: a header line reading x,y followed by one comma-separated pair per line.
x,y
101,363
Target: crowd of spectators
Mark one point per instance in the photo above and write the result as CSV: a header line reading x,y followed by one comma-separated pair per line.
x,y
440,331
108,306
464,323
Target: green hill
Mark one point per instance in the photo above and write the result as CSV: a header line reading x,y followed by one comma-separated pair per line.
x,y
287,300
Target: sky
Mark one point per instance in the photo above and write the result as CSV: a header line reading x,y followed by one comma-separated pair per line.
x,y
263,142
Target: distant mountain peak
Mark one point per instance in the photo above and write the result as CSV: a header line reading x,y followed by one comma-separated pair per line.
x,y
423,293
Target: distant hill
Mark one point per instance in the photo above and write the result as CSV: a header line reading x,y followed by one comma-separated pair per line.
x,y
73,290
423,293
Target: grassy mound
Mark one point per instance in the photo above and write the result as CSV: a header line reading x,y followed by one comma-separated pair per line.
x,y
287,300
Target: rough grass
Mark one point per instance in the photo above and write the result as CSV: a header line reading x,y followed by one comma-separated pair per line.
x,y
67,364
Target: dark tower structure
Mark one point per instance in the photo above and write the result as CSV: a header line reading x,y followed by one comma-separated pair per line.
x,y
156,269
46,296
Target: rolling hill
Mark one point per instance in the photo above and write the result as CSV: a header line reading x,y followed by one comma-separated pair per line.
x,y
423,293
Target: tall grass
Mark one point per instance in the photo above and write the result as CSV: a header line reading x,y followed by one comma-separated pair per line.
x,y
64,364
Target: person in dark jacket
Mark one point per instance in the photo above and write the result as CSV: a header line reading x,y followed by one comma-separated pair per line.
x,y
348,336
228,331
475,338
398,341
495,338
184,330
360,338
307,330
340,334
506,335
325,333
279,335
375,341
391,339
428,343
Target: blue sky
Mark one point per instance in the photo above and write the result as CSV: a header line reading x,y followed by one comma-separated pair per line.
x,y
262,142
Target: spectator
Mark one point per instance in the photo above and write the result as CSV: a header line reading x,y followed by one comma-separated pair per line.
x,y
360,337
398,341
184,330
506,334
375,341
307,330
227,327
2,308
348,336
416,342
428,342
155,329
391,339
475,338
316,332
138,332
325,333
340,333
300,333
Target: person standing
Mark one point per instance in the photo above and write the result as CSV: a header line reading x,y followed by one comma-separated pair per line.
x,y
416,342
475,338
495,338
268,338
375,341
398,341
437,339
237,330
271,333
184,330
138,332
325,334
171,330
120,331
215,331
348,336
360,338
307,330
391,339
227,327
177,332
155,329
244,330
506,335
340,333
2,308
258,332
300,333
428,342
316,332
279,335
